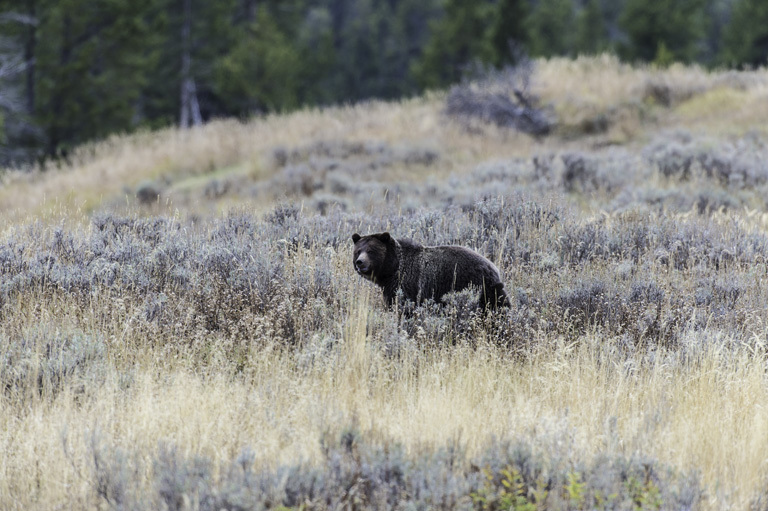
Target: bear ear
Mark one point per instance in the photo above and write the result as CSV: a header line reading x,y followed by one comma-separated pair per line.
x,y
384,236
355,238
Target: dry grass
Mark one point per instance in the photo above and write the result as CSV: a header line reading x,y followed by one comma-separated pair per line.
x,y
574,400
106,174
570,391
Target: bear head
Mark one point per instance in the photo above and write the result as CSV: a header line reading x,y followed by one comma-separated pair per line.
x,y
375,256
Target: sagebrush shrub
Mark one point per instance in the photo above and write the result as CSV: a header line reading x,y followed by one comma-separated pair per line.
x,y
356,473
43,360
289,272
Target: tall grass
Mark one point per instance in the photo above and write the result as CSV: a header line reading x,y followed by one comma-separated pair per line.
x,y
214,349
136,336
570,403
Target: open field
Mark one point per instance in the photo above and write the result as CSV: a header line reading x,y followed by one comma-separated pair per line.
x,y
181,327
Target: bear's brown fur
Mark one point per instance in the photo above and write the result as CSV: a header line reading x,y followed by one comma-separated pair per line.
x,y
422,272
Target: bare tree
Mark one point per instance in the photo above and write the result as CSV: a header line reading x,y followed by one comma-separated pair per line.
x,y
25,19
12,62
10,67
17,58
190,109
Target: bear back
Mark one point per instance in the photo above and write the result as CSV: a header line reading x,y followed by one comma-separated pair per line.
x,y
423,272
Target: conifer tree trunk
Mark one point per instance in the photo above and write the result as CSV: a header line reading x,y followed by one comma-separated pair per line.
x,y
190,109
29,58
249,10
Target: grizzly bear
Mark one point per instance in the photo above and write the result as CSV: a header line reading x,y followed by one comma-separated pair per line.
x,y
423,273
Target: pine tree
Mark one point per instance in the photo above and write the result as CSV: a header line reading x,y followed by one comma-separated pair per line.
x,y
591,34
318,83
509,34
663,30
213,28
90,71
260,72
745,38
458,39
552,25
359,57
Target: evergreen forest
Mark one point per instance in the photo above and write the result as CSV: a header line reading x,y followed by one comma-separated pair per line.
x,y
73,71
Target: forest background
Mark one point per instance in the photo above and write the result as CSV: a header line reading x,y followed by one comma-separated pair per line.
x,y
73,71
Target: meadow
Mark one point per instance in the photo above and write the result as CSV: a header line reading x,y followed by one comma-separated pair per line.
x,y
181,326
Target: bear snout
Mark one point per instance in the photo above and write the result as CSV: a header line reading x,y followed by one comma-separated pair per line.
x,y
361,265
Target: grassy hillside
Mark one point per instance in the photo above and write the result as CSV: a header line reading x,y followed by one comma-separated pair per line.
x,y
181,328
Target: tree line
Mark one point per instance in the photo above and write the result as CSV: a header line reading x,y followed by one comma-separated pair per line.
x,y
74,70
